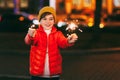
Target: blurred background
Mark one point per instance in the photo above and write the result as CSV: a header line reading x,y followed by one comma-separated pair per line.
x,y
95,56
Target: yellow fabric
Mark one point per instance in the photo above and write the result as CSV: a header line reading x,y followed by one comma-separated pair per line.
x,y
47,9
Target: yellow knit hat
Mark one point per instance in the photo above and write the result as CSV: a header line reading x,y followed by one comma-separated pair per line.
x,y
47,9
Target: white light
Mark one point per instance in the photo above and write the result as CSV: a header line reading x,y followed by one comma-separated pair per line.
x,y
101,25
60,24
72,26
35,21
52,3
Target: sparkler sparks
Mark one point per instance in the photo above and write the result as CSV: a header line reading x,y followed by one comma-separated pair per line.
x,y
72,28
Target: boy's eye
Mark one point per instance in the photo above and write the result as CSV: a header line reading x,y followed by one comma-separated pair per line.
x,y
51,19
44,19
48,19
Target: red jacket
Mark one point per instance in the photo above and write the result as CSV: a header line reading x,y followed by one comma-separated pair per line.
x,y
39,44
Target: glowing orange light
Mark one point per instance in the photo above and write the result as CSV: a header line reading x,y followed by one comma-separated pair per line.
x,y
68,7
91,19
90,24
21,18
31,17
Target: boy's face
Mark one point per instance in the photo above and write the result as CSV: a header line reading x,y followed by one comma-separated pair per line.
x,y
47,22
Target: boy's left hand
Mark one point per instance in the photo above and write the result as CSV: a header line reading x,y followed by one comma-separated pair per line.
x,y
72,38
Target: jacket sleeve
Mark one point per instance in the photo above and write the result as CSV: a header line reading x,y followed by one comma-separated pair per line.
x,y
28,39
63,41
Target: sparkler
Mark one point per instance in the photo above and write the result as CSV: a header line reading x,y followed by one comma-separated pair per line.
x,y
35,24
72,28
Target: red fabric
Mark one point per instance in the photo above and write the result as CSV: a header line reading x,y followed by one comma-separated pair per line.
x,y
39,44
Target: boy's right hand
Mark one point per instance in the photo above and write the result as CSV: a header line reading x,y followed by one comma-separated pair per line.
x,y
31,32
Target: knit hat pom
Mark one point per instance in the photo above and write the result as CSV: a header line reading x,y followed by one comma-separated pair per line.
x,y
47,9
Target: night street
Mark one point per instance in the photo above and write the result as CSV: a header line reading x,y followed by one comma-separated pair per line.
x,y
76,66
84,61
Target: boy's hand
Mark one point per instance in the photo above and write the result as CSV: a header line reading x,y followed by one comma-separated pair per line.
x,y
31,32
72,38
